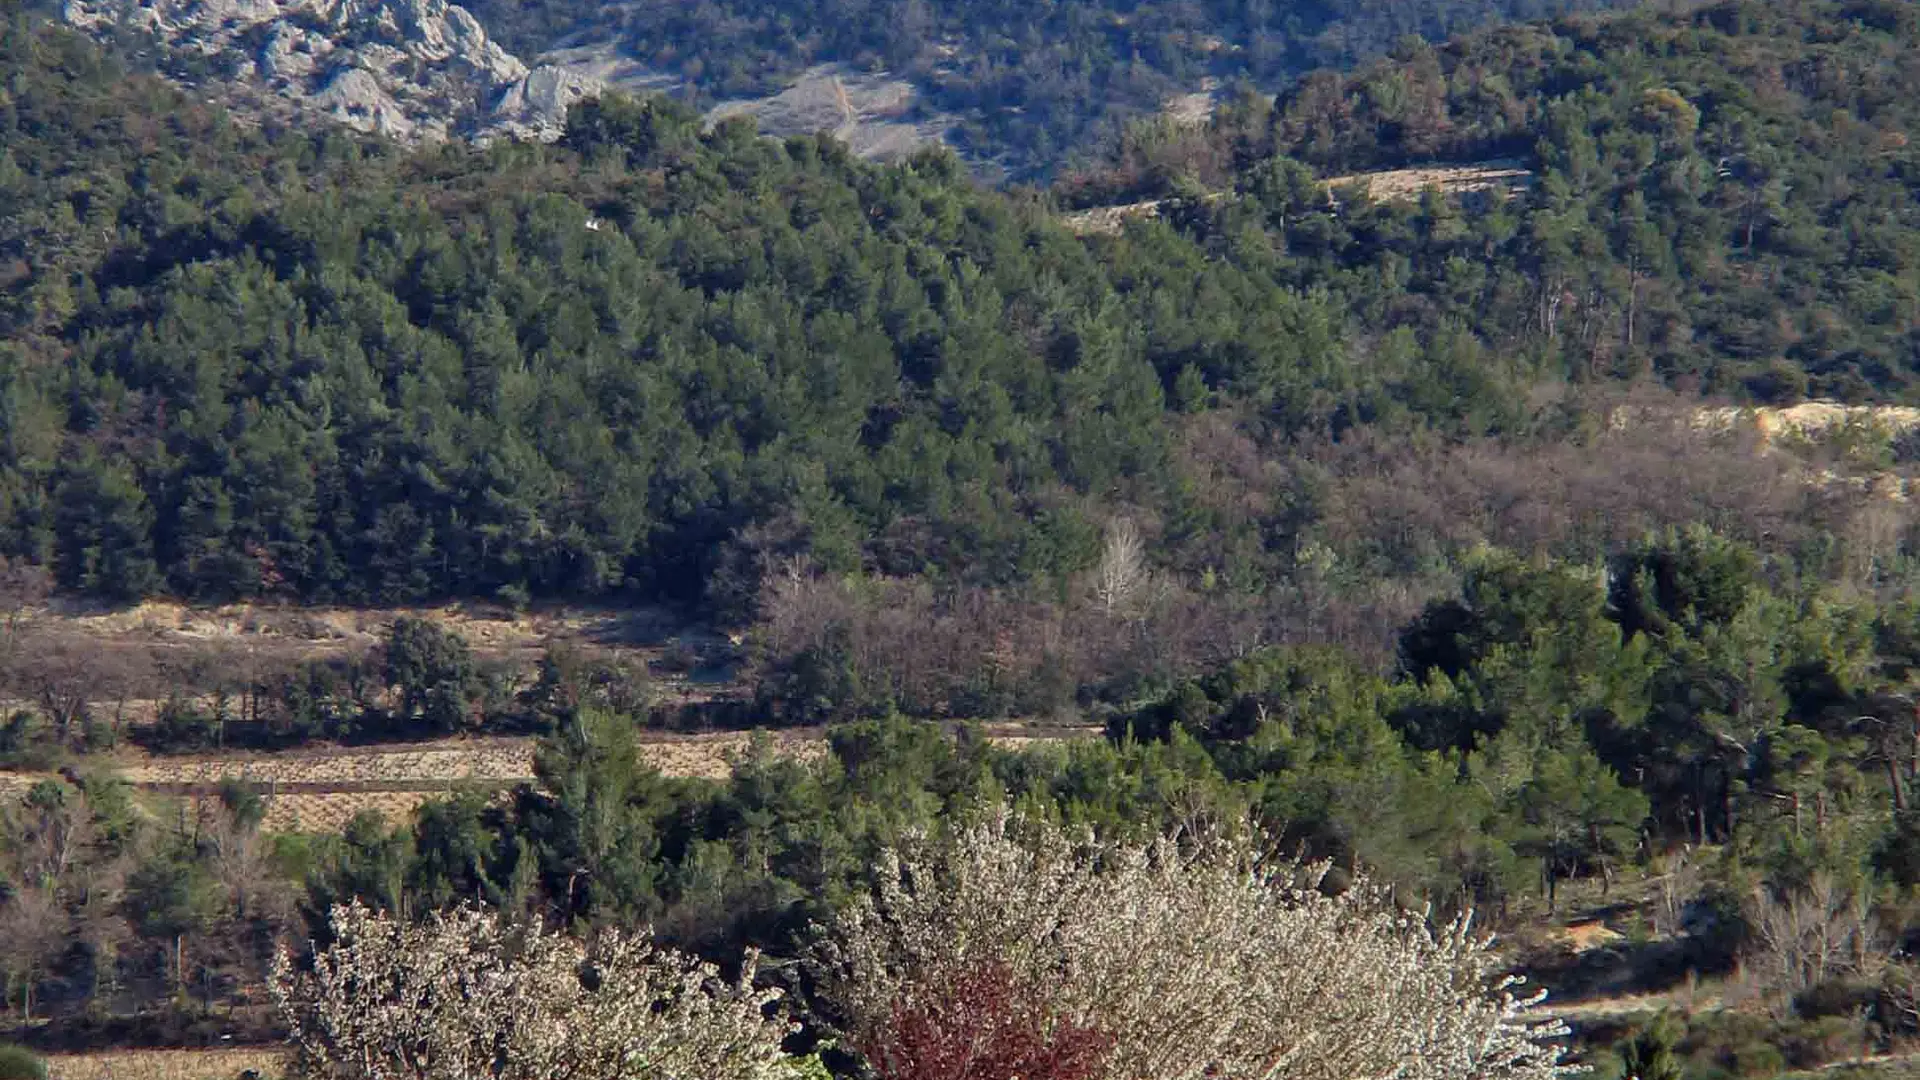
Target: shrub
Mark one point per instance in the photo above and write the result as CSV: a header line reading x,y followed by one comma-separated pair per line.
x,y
18,1063
464,995
1653,1052
1203,961
983,1023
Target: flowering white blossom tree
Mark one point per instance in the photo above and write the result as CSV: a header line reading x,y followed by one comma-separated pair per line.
x,y
1195,961
464,996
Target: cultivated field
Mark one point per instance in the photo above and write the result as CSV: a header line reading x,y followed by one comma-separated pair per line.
x,y
437,763
166,1064
320,790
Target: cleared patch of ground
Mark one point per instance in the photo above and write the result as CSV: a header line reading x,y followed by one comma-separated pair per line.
x,y
1826,426
1811,419
876,115
167,1064
1391,184
1194,109
605,62
1109,220
320,631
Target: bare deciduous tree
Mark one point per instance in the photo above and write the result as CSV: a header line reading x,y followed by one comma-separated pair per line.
x,y
33,934
1123,567
1678,887
22,588
1811,935
1202,962
1900,990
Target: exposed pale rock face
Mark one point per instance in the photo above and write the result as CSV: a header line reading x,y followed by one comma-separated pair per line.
x,y
415,69
536,107
355,98
288,55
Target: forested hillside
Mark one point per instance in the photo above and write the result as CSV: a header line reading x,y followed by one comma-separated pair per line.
x,y
1725,201
655,362
1387,527
1030,85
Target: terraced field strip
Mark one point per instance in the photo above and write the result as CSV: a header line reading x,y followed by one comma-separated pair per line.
x,y
320,790
167,1064
503,761
331,812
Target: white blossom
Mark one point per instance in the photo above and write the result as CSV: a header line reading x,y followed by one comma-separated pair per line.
x,y
1203,962
465,996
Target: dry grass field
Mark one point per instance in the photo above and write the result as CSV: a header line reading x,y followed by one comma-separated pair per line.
x,y
437,769
315,631
448,762
166,1064
15,785
329,812
320,790
1406,184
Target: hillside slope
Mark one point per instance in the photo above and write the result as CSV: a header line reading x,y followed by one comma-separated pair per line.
x,y
406,69
1025,88
1727,200
655,361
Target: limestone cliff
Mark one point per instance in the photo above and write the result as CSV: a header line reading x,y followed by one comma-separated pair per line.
x,y
408,69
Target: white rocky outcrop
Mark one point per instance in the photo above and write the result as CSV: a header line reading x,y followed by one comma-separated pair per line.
x,y
535,107
410,69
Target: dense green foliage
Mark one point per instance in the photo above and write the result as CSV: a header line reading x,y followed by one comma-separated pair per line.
x,y
243,364
1551,723
1725,200
1308,497
19,1064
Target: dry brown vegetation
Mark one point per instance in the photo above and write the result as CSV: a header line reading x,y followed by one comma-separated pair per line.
x,y
1388,516
1385,513
444,763
322,790
166,1064
1402,184
1389,185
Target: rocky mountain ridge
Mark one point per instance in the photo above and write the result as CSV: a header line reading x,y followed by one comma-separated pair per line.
x,y
412,70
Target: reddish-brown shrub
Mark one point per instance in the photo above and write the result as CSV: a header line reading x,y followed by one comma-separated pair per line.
x,y
984,1024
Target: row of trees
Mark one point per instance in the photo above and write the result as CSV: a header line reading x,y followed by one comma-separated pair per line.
x,y
68,694
1003,949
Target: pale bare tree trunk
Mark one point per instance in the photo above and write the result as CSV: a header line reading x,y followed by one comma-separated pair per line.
x,y
1122,567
